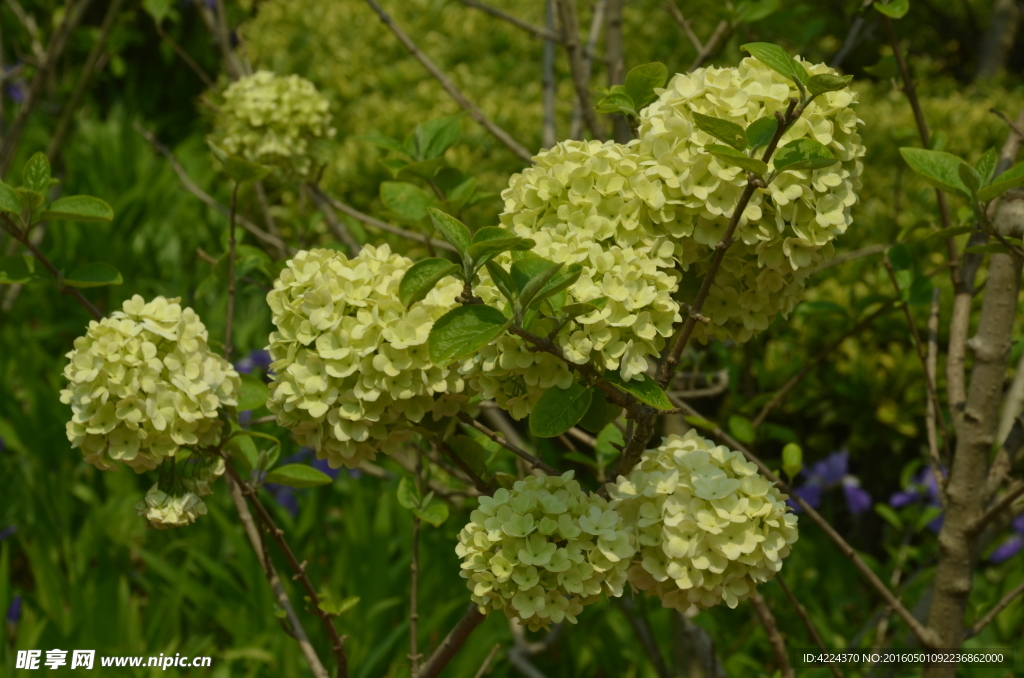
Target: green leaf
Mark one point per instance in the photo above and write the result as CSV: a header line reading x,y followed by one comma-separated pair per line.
x,y
991,248
558,284
929,514
393,165
894,9
723,130
434,137
533,287
30,199
559,409
422,277
78,208
943,234
435,514
471,452
904,280
158,9
803,154
777,59
337,607
607,440
986,165
700,422
492,233
885,69
382,142
1011,178
899,257
939,169
243,171
408,495
453,230
406,200
890,516
826,82
580,459
741,429
970,177
254,393
617,102
464,330
95,274
9,200
642,80
761,131
527,268
481,252
16,269
576,310
734,157
600,413
297,476
36,174
644,389
422,169
503,281
248,455
792,460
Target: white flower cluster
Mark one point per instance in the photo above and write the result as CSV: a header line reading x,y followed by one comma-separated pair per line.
x,y
708,527
543,551
165,511
786,229
273,120
352,370
586,203
143,383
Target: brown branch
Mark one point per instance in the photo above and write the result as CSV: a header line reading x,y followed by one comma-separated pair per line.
x,y
337,643
549,132
808,624
593,35
931,369
414,575
451,644
487,661
536,462
535,31
479,483
474,112
1012,494
205,256
645,635
781,394
774,637
850,256
615,65
994,612
580,74
337,228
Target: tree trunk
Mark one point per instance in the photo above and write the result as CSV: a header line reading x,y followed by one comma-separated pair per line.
x,y
998,39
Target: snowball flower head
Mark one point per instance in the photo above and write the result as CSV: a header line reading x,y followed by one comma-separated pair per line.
x,y
352,370
708,527
165,511
543,551
786,229
585,203
143,384
273,120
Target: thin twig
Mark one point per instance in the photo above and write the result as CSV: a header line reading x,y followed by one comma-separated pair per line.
x,y
549,133
523,454
474,477
230,321
580,76
774,637
184,55
931,370
593,34
868,251
535,31
1014,492
487,661
582,436
645,635
808,624
414,575
1010,123
994,612
474,111
337,228
451,644
205,256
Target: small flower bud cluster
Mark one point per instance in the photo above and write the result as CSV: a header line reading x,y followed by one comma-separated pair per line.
x,y
786,228
144,383
165,511
708,527
543,551
586,203
352,369
273,120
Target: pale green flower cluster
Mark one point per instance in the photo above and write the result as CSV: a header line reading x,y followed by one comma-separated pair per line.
x,y
708,527
352,369
165,511
273,120
786,229
144,383
586,203
543,550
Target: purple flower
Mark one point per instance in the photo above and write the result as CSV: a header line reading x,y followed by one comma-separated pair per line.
x,y
858,500
7,532
256,360
1018,524
812,493
904,498
244,417
830,472
325,468
1008,549
14,611
832,469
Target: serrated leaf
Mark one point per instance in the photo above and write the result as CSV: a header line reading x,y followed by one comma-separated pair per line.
x,y
969,176
741,429
943,234
644,389
95,274
464,330
36,174
421,278
600,413
617,103
298,476
803,154
254,393
826,82
777,59
792,460
78,208
451,229
16,269
642,80
986,165
9,200
1011,178
894,9
406,200
937,168
382,142
408,495
761,131
435,514
734,157
559,409
723,130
